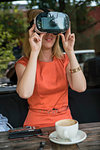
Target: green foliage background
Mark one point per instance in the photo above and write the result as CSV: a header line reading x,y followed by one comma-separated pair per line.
x,y
6,44
12,28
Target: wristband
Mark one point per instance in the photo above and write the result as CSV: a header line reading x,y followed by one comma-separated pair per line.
x,y
75,69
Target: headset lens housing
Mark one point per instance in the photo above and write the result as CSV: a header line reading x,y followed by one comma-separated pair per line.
x,y
52,22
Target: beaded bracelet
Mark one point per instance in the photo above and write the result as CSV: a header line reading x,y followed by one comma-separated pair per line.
x,y
75,69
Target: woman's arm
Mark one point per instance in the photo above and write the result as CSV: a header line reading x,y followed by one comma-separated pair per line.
x,y
76,79
26,75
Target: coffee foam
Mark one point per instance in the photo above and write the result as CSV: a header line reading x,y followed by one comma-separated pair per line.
x,y
68,122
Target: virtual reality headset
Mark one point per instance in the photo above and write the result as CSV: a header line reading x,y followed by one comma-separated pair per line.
x,y
51,22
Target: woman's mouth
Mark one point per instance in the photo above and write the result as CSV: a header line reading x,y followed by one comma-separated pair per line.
x,y
48,39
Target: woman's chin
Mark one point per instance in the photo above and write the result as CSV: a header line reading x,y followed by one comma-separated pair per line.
x,y
47,46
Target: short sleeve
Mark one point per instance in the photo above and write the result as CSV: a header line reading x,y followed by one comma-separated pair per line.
x,y
23,61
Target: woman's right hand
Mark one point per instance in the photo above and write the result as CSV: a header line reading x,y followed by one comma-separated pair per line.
x,y
35,40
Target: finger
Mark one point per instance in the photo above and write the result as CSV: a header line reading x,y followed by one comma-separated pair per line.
x,y
70,27
36,36
72,36
41,35
31,30
67,34
36,39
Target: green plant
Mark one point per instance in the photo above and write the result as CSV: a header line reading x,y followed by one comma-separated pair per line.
x,y
6,45
12,28
13,22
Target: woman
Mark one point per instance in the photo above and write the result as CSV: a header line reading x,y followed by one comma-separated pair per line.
x,y
44,73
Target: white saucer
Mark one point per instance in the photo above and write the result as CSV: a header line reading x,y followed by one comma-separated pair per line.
x,y
79,138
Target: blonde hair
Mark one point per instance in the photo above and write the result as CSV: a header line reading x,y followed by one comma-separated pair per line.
x,y
56,50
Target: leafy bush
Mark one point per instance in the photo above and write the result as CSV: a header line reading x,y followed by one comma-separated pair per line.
x,y
6,44
13,22
12,29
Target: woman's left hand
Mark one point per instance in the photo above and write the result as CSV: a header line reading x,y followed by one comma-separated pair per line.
x,y
68,40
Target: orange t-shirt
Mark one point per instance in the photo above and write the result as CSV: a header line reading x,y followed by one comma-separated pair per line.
x,y
49,101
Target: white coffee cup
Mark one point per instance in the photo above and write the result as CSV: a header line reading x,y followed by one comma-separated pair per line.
x,y
67,129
